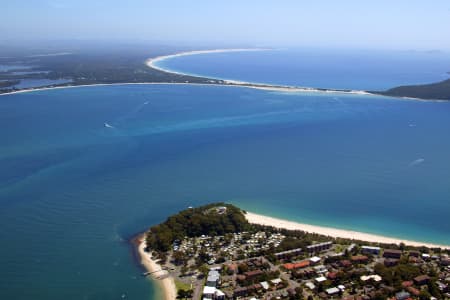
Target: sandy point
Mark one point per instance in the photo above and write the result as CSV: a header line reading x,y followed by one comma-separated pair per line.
x,y
167,283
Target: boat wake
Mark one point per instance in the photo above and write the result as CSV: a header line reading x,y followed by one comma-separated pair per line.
x,y
416,162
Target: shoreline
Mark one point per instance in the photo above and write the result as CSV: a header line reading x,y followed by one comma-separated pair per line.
x,y
151,63
227,84
334,232
167,284
224,82
280,89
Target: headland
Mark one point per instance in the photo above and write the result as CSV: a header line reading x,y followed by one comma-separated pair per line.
x,y
219,251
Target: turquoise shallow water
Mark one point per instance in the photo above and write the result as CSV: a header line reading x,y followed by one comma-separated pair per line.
x,y
72,191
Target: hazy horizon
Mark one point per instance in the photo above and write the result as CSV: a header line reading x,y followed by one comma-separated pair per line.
x,y
399,25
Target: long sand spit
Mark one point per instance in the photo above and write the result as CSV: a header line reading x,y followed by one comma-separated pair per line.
x,y
334,232
153,63
166,282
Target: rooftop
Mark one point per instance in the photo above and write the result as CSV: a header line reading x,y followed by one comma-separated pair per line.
x,y
321,279
333,290
373,277
209,290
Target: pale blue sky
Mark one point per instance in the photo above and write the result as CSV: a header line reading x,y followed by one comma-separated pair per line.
x,y
392,24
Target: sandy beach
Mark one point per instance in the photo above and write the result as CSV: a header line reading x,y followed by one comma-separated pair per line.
x,y
167,284
280,89
151,63
333,232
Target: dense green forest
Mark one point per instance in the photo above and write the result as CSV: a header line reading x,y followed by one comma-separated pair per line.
x,y
209,220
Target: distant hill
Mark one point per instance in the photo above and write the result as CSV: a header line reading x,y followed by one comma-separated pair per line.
x,y
434,91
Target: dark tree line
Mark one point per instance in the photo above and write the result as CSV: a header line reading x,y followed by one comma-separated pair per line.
x,y
195,222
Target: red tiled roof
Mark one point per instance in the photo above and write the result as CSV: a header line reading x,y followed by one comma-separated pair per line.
x,y
253,273
345,263
332,275
359,258
292,266
421,278
241,277
413,291
406,284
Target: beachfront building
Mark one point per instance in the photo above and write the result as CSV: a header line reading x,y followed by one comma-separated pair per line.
x,y
392,253
370,250
319,247
288,253
413,253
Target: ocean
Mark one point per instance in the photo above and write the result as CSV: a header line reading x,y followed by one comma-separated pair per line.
x,y
319,68
85,169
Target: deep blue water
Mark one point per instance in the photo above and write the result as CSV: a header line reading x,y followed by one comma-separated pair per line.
x,y
340,69
72,191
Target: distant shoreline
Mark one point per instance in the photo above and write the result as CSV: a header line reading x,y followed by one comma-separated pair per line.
x,y
334,232
228,84
272,88
151,63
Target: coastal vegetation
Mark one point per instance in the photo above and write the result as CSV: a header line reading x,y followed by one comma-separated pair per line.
x,y
8,83
212,219
214,247
90,65
438,91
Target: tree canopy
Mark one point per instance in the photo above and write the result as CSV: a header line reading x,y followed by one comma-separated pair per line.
x,y
213,219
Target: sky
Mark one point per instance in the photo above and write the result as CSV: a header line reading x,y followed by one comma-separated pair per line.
x,y
385,24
